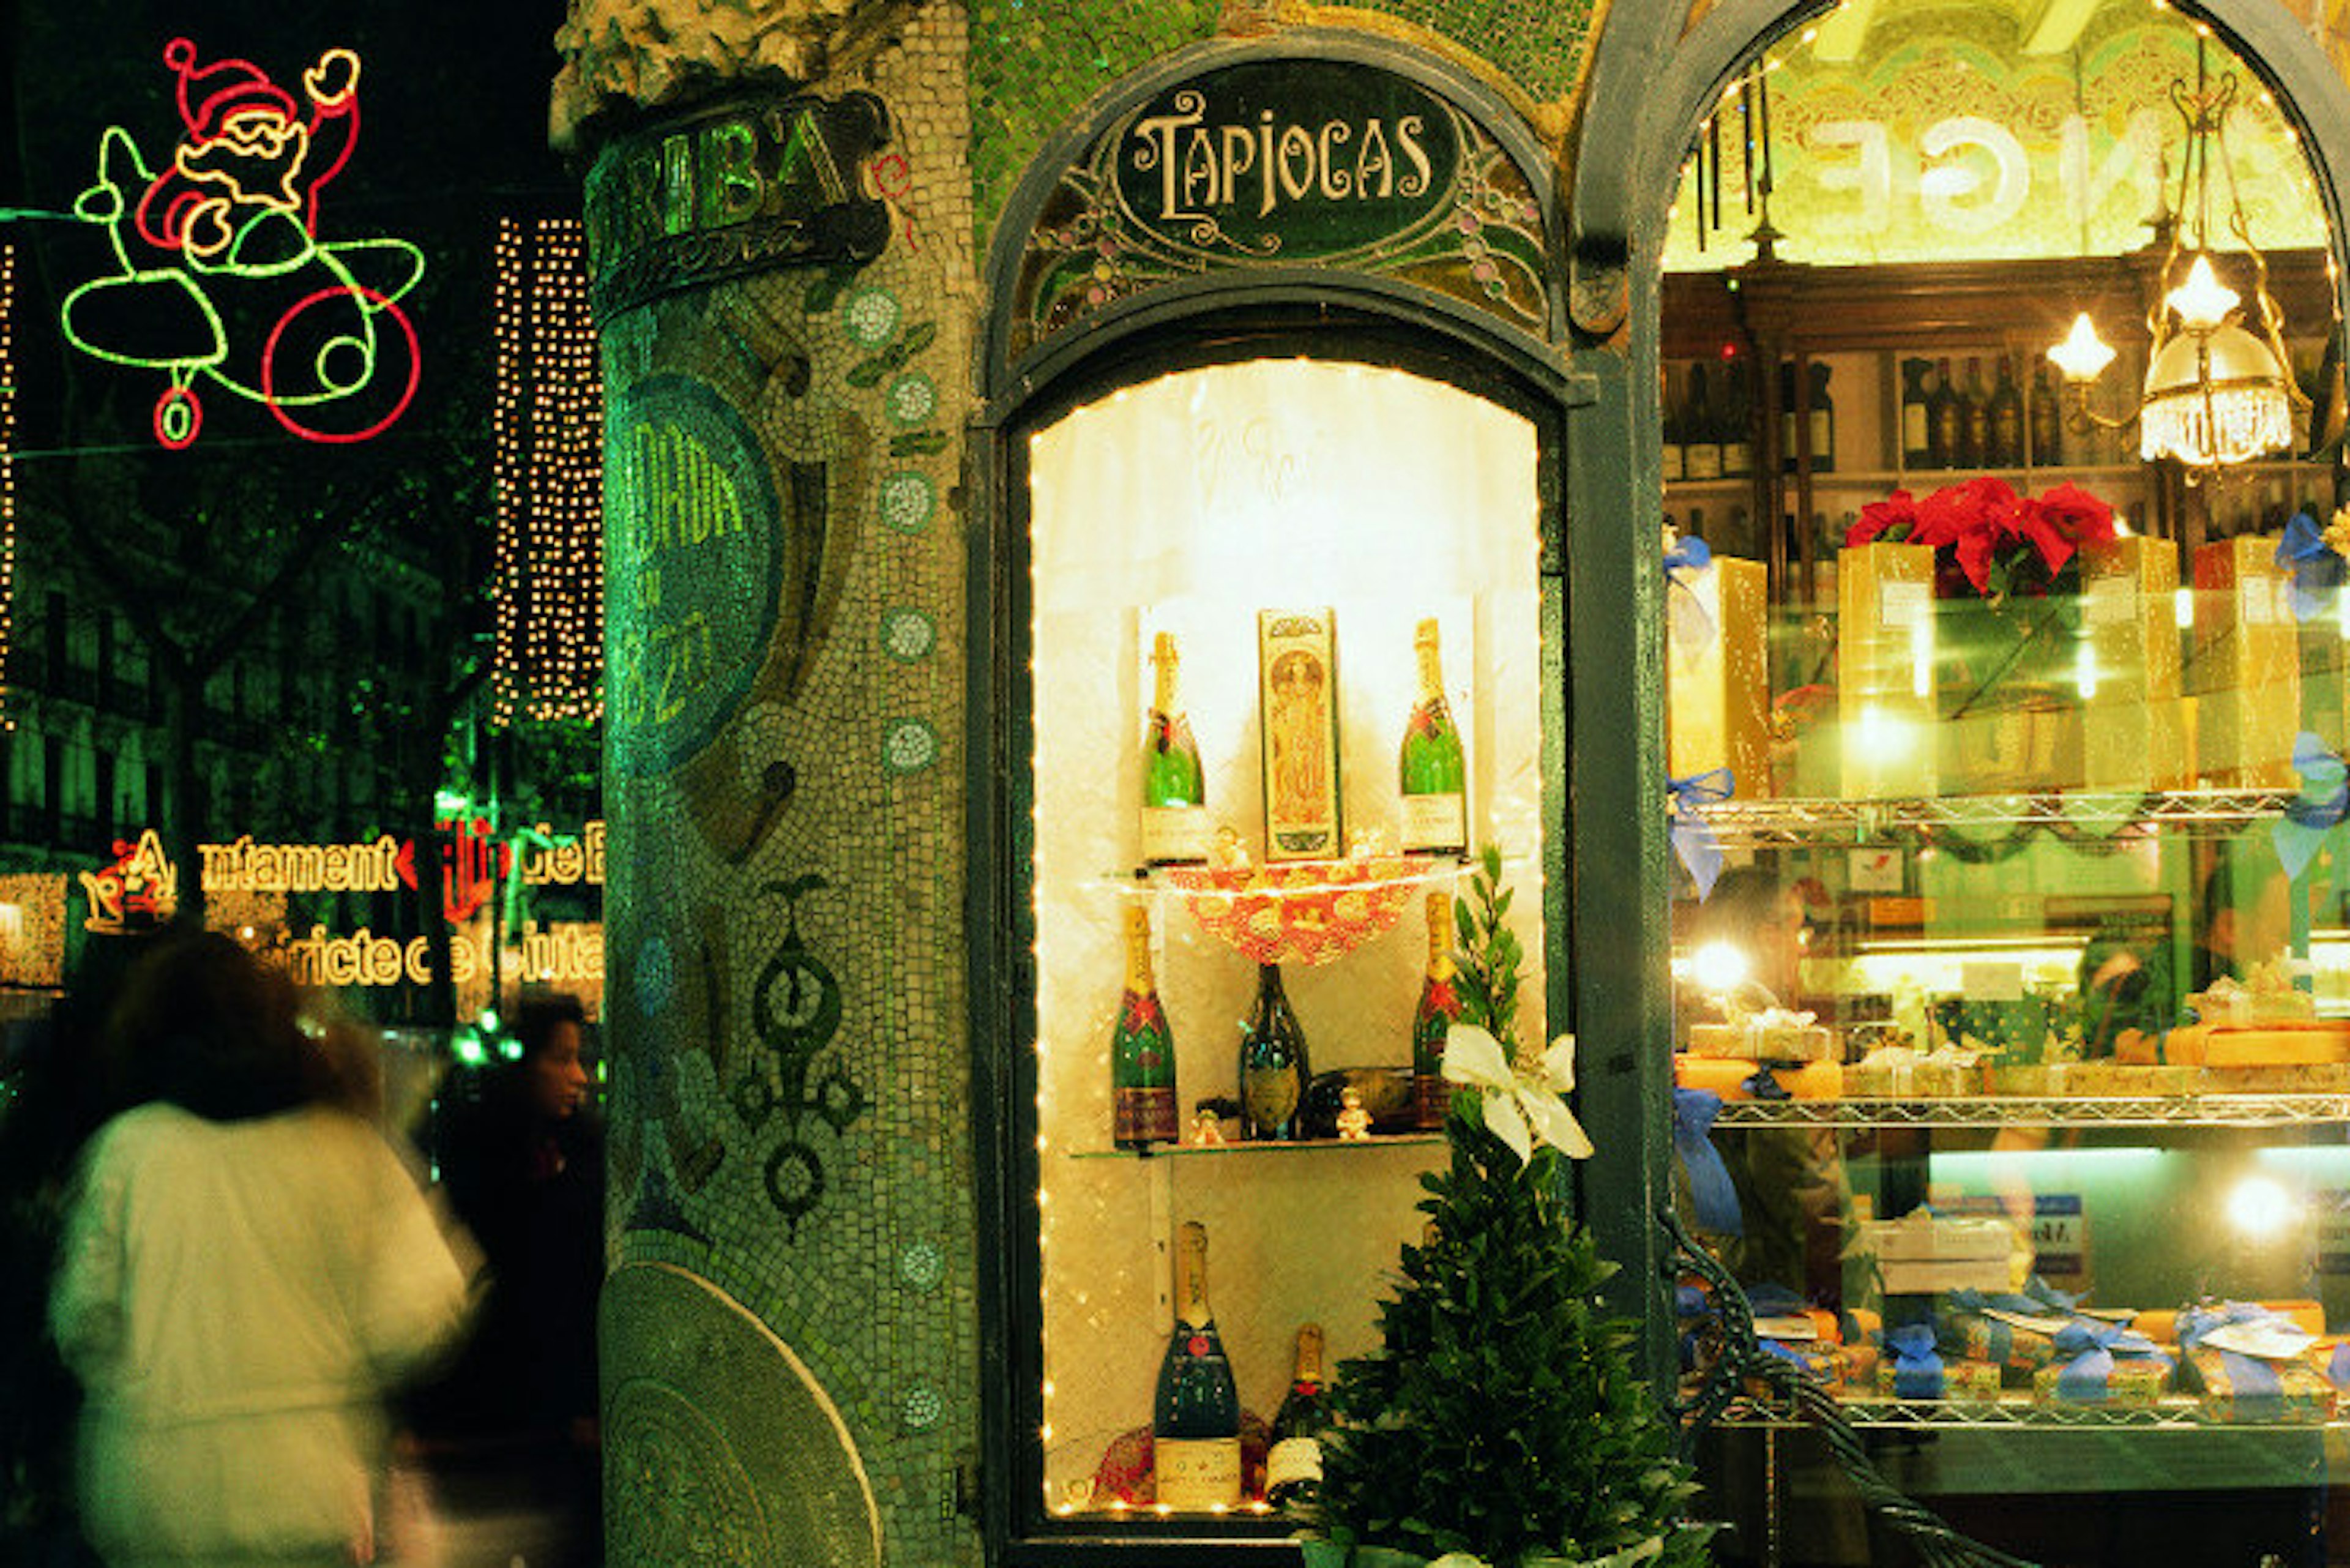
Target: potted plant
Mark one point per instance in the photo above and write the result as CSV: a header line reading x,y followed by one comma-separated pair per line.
x,y
1501,1423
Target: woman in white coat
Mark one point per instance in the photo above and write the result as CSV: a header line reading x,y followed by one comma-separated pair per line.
x,y
247,1269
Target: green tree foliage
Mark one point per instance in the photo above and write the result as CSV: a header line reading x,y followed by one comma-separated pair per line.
x,y
1502,1416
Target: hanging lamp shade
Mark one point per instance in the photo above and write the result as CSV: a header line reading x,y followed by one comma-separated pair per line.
x,y
2214,396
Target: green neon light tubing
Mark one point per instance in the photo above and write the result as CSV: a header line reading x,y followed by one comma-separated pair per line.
x,y
221,281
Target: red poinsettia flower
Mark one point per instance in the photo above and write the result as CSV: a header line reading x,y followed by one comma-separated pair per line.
x,y
1896,517
2078,515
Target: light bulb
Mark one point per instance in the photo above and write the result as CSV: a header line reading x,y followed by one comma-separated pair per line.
x,y
2202,302
2083,356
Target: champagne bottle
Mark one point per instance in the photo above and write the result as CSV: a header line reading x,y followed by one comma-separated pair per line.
x,y
1174,798
1917,426
1823,418
2047,421
1440,1005
1974,417
1195,1417
1700,440
1273,1070
1430,763
1737,422
1293,1463
1675,470
2004,442
1141,1050
1945,420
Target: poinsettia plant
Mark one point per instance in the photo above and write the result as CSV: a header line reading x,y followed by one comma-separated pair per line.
x,y
1989,541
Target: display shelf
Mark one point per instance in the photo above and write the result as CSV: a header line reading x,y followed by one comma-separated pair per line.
x,y
2089,816
1265,1146
1991,1111
2016,1408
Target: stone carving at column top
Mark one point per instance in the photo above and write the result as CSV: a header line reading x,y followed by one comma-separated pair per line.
x,y
624,57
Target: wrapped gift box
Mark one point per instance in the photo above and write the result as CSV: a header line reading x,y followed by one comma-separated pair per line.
x,y
1717,674
2265,1045
1770,1036
1884,669
2244,665
2135,728
1999,1338
2254,1388
1904,1072
2133,1382
1923,1253
1731,1078
1857,1367
1976,1381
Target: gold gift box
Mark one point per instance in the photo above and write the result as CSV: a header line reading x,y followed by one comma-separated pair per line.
x,y
1884,669
2135,723
1718,676
2244,665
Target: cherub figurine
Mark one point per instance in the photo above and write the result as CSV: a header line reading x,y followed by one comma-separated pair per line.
x,y
1354,1122
1207,1128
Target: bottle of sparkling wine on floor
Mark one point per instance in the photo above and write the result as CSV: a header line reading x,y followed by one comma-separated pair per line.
x,y
1141,1049
1195,1419
1273,1070
1440,1005
1433,769
1293,1464
1174,795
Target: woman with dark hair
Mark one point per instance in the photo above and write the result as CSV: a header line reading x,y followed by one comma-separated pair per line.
x,y
248,1268
513,1423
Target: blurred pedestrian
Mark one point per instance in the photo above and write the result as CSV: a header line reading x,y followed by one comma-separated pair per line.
x,y
514,1423
247,1269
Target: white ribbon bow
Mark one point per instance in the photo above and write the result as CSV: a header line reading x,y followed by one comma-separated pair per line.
x,y
1519,1108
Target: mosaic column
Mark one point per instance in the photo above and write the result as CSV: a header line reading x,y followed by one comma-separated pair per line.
x,y
782,281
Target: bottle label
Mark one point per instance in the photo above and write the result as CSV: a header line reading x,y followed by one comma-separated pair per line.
x,y
1702,460
1437,823
1293,1461
1822,436
1431,1096
1913,427
1198,1473
1174,834
1143,1115
1269,1096
1737,457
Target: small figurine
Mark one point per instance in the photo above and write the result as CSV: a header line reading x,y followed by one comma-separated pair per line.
x,y
1354,1122
1207,1128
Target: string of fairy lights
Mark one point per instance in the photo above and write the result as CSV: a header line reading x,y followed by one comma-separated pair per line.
x,y
7,475
546,429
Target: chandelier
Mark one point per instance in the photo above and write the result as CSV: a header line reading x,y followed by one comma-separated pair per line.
x,y
2217,392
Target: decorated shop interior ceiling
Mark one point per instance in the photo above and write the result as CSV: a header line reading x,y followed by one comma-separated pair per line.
x,y
1895,133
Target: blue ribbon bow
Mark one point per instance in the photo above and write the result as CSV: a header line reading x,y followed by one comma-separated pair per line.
x,y
2322,803
2089,1348
1711,1192
1683,611
2249,1376
2317,570
1917,1365
1694,839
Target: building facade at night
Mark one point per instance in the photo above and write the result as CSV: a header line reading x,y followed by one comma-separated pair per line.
x,y
959,357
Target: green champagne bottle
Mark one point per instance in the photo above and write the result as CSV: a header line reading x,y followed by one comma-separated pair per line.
x,y
1273,1070
1195,1417
1293,1461
1433,770
1174,795
1141,1050
1440,1005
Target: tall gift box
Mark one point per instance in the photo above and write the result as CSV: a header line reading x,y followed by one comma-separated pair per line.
x,y
2244,665
2134,723
1718,675
1884,669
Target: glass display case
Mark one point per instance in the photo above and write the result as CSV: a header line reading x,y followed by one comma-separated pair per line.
x,y
2011,1042
1257,592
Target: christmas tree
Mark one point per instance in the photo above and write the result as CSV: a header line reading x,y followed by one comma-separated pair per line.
x,y
1503,1417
